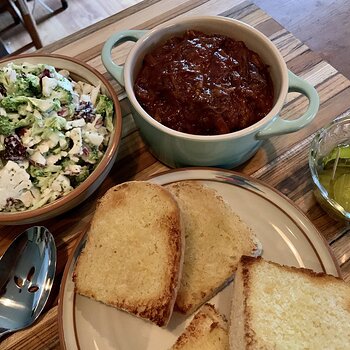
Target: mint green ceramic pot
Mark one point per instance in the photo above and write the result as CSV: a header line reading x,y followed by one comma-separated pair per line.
x,y
177,149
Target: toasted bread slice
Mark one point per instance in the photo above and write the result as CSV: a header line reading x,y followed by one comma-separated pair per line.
x,y
216,238
207,331
279,307
133,256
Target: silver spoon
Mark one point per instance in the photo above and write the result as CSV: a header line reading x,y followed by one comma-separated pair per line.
x,y
27,270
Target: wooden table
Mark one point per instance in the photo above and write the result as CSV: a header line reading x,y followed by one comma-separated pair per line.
x,y
281,162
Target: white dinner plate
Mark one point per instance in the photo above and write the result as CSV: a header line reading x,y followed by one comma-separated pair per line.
x,y
286,234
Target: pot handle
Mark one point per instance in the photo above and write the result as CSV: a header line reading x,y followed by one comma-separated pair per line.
x,y
281,126
118,38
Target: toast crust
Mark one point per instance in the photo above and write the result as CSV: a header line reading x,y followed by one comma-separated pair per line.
x,y
206,322
244,335
149,237
216,238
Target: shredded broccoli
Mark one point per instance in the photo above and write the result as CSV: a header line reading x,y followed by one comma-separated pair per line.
x,y
29,68
6,126
12,103
28,120
93,155
55,122
64,96
45,105
105,107
66,163
36,171
25,86
84,173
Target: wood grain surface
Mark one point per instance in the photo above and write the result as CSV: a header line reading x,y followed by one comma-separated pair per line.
x,y
323,24
282,162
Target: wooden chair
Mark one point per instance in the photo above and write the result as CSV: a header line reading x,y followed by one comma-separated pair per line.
x,y
21,13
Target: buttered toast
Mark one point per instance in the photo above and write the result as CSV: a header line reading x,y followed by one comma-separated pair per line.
x,y
216,238
208,330
133,255
279,307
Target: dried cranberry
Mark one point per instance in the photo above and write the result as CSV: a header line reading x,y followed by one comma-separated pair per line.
x,y
3,91
85,151
85,110
32,162
14,150
21,131
63,111
45,73
99,123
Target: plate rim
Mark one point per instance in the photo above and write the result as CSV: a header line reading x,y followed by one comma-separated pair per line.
x,y
249,178
263,184
81,236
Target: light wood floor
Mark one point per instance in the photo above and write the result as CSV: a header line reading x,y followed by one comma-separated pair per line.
x,y
79,14
323,25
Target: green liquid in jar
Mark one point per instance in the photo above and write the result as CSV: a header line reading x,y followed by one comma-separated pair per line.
x,y
335,175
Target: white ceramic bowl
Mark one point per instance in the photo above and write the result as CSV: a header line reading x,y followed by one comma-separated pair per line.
x,y
79,71
175,148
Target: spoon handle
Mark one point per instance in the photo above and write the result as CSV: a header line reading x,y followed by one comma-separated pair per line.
x,y
3,331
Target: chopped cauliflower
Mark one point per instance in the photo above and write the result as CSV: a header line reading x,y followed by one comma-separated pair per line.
x,y
49,84
75,136
14,183
61,184
93,137
38,158
77,123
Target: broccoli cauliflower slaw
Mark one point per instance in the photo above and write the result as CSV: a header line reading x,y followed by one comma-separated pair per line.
x,y
54,131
